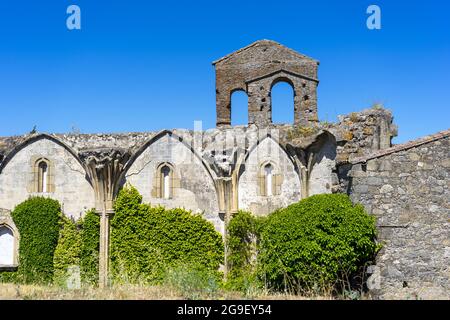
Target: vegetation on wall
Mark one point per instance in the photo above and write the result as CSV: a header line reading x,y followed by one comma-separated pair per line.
x,y
243,233
67,251
307,247
313,244
90,247
37,220
146,241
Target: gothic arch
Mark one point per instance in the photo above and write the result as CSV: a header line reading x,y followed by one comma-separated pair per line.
x,y
251,180
68,181
158,136
194,184
244,157
32,139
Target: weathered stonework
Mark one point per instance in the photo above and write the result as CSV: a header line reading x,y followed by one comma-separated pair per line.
x,y
17,176
255,69
407,188
220,171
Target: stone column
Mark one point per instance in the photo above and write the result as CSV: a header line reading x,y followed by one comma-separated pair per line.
x,y
305,103
105,168
224,186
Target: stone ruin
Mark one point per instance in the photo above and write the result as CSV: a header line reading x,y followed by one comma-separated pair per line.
x,y
259,167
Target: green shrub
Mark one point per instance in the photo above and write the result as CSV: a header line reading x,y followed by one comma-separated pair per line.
x,y
90,247
67,251
243,234
37,220
312,244
147,240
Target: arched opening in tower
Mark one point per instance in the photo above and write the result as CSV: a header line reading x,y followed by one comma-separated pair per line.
x,y
282,98
239,108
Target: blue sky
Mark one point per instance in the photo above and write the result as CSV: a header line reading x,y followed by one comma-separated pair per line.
x,y
144,65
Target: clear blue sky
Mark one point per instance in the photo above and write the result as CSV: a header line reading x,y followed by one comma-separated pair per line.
x,y
146,65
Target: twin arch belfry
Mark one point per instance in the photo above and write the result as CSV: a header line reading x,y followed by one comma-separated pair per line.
x,y
255,69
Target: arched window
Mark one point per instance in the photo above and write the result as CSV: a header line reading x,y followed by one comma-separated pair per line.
x,y
166,182
268,172
42,177
7,246
282,100
270,180
239,108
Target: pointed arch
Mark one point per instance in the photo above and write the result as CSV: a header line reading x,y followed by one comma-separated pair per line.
x,y
34,138
244,157
192,184
158,136
254,193
67,179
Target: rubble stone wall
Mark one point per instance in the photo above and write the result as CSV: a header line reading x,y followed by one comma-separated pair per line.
x,y
408,189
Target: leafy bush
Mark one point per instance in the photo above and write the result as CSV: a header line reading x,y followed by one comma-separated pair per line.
x,y
37,220
90,247
147,240
313,243
242,241
67,251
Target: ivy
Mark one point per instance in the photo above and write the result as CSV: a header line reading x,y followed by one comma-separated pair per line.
x,y
90,247
146,240
37,220
242,241
67,251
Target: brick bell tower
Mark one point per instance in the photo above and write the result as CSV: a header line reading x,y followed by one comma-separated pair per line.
x,y
255,69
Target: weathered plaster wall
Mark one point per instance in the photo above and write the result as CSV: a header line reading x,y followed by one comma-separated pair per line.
x,y
408,192
196,191
321,178
72,189
249,199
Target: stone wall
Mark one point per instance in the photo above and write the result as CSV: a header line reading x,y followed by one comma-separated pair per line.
x,y
307,157
362,133
407,188
71,188
255,69
286,189
194,187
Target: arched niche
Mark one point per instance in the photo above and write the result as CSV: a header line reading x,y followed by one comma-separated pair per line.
x,y
251,179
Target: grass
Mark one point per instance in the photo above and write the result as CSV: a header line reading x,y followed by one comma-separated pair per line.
x,y
127,292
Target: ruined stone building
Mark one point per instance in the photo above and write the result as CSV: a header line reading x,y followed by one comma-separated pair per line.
x,y
259,167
